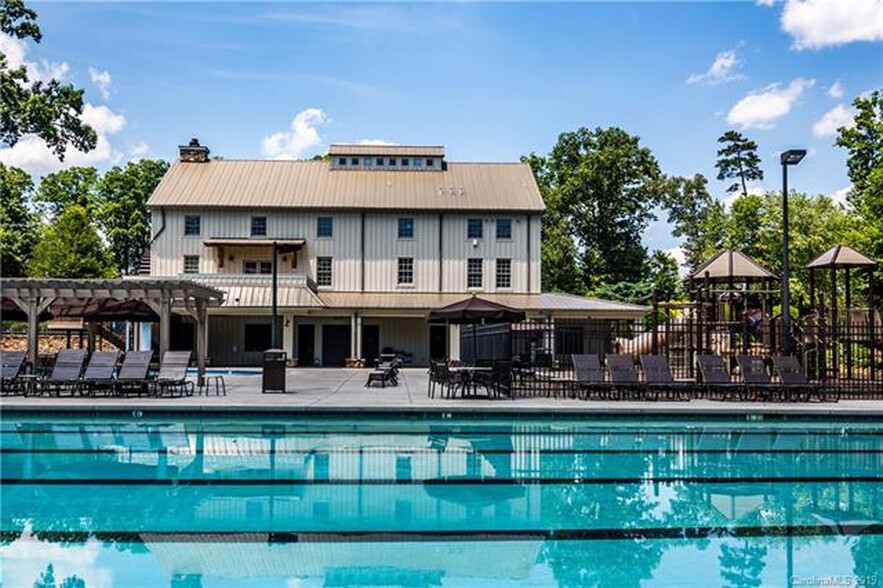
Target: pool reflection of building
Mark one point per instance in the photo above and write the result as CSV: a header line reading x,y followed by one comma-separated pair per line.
x,y
333,497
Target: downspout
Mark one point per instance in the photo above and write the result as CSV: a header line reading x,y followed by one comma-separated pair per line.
x,y
162,212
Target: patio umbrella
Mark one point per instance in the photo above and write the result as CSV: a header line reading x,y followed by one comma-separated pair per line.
x,y
476,311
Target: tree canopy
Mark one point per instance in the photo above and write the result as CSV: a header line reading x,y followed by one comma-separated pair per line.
x,y
71,248
19,226
49,109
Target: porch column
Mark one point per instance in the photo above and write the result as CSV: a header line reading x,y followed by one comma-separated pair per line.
x,y
288,334
353,335
454,341
359,351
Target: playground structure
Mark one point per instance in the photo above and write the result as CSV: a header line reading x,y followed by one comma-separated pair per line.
x,y
733,310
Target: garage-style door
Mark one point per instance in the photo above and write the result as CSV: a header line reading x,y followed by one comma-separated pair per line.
x,y
335,345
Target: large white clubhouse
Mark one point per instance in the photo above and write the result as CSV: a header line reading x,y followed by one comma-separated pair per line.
x,y
372,239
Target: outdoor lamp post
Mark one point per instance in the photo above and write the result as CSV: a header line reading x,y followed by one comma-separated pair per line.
x,y
790,157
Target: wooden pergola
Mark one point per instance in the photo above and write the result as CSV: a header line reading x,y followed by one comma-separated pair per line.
x,y
35,295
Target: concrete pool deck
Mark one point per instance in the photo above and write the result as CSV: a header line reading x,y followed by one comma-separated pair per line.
x,y
343,390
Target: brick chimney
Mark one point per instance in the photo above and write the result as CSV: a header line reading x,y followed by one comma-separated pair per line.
x,y
194,152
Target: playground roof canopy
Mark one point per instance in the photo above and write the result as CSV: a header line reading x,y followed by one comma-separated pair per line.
x,y
733,265
841,256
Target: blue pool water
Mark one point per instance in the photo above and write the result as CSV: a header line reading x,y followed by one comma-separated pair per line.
x,y
505,501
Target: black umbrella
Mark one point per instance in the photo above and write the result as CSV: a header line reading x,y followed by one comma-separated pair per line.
x,y
476,311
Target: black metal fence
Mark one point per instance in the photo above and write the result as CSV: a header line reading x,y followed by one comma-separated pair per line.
x,y
844,353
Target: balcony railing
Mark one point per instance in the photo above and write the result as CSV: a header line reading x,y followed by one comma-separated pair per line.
x,y
283,280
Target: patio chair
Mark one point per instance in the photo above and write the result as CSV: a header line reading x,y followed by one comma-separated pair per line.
x,y
65,374
792,378
384,374
498,381
172,377
624,375
756,379
132,375
589,375
716,378
11,366
99,372
658,378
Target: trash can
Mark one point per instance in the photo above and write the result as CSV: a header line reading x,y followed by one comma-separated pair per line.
x,y
274,371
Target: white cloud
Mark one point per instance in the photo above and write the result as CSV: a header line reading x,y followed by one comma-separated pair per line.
x,y
32,155
16,51
814,24
765,2
721,69
836,90
375,142
102,81
760,109
840,196
677,253
839,116
302,136
138,151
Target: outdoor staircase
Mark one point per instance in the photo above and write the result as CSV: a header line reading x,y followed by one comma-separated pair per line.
x,y
144,267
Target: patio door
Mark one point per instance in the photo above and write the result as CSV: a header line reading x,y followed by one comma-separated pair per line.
x,y
335,345
370,343
438,342
306,345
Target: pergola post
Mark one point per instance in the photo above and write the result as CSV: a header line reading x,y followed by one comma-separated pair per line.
x,y
201,340
165,326
33,312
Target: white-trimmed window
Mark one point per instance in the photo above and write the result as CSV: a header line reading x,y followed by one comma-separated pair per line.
x,y
406,271
504,273
324,226
341,161
504,228
474,272
430,162
323,271
258,226
257,266
474,228
406,228
191,225
191,264
354,161
378,161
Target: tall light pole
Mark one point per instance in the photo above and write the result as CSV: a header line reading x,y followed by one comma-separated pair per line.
x,y
790,157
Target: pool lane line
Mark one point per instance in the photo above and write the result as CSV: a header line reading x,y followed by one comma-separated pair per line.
x,y
152,429
569,481
614,534
429,451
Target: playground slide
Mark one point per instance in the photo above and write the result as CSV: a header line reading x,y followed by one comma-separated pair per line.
x,y
640,345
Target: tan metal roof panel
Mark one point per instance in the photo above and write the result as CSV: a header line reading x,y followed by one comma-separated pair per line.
x,y
314,185
842,256
400,150
731,264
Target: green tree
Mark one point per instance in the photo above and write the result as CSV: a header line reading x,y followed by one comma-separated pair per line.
x,y
122,210
71,248
50,110
560,272
696,217
737,159
75,185
19,226
601,186
864,145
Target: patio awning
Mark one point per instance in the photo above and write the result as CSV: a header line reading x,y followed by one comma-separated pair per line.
x,y
282,244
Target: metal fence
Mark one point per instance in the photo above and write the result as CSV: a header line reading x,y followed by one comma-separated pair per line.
x,y
844,354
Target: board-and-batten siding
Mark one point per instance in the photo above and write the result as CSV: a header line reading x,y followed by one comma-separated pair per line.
x,y
382,247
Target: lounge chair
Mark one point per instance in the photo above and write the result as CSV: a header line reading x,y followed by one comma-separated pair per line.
x,y
99,372
756,378
383,374
716,378
132,375
65,374
589,376
11,366
792,378
658,378
172,377
624,375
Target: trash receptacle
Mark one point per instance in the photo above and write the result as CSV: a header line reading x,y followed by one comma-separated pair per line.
x,y
274,371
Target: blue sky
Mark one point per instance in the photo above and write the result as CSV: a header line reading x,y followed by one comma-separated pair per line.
x,y
490,81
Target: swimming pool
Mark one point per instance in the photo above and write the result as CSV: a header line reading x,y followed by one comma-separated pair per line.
x,y
427,501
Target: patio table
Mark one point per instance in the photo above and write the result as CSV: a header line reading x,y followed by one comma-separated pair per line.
x,y
469,372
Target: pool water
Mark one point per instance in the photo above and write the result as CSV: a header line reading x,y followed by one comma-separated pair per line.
x,y
420,501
